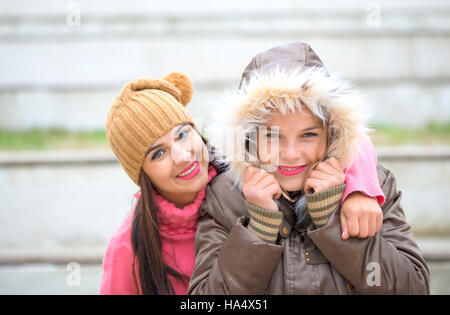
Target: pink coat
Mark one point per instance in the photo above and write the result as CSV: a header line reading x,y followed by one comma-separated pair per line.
x,y
178,228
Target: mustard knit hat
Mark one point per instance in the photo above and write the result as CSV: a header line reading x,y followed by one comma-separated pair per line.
x,y
143,111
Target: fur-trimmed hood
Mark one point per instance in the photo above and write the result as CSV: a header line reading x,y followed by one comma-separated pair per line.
x,y
286,78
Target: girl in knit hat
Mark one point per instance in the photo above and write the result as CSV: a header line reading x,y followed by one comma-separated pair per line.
x,y
279,227
155,141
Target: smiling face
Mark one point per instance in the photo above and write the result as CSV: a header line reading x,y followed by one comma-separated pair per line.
x,y
302,141
177,165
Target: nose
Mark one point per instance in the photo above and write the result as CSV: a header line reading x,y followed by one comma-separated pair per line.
x,y
290,152
180,154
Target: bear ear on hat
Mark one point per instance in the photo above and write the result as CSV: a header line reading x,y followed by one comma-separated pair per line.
x,y
182,83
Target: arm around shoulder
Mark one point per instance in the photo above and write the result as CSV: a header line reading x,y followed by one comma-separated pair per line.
x,y
401,266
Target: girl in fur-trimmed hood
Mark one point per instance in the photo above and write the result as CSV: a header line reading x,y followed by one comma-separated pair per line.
x,y
341,110
290,80
303,178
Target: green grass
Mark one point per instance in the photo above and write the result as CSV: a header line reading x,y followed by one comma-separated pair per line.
x,y
431,134
51,139
58,139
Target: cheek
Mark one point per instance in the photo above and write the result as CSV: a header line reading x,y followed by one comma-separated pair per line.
x,y
268,152
195,143
158,172
315,151
204,157
200,150
322,147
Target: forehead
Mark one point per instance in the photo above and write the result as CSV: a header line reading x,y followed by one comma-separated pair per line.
x,y
172,133
297,120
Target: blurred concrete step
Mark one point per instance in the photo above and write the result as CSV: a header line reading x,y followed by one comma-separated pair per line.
x,y
58,200
86,279
40,279
434,249
85,108
96,63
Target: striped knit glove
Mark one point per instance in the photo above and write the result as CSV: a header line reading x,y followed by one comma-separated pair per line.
x,y
322,204
264,223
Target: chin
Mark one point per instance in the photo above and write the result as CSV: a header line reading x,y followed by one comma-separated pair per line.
x,y
291,185
291,188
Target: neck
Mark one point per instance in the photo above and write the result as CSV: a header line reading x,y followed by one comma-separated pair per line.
x,y
291,196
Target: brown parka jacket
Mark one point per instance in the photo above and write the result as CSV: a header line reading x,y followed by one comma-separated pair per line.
x,y
231,259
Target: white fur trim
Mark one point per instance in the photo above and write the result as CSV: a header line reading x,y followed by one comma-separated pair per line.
x,y
333,100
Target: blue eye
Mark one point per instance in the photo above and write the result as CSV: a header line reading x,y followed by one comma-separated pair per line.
x,y
272,135
309,135
157,154
183,134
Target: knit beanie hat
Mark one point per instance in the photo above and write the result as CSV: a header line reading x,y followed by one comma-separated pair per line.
x,y
143,111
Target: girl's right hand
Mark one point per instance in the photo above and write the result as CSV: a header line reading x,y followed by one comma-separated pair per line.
x,y
261,188
325,175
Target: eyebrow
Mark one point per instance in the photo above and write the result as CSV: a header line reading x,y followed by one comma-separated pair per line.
x,y
269,129
312,128
180,127
153,148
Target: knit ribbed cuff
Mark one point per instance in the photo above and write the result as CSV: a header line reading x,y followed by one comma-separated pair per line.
x,y
322,204
264,223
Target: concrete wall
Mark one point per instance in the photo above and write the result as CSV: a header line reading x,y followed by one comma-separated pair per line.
x,y
67,205
59,209
62,62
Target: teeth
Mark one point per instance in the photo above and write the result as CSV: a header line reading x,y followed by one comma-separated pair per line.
x,y
189,171
289,168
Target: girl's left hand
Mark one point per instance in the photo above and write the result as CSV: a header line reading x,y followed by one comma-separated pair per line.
x,y
326,174
361,216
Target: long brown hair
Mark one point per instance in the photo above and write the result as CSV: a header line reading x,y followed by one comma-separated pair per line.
x,y
152,271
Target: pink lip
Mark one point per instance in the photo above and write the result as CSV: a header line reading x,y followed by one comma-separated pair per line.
x,y
193,173
298,169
